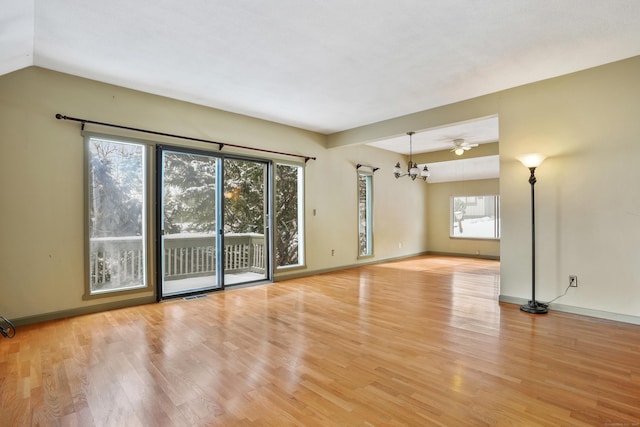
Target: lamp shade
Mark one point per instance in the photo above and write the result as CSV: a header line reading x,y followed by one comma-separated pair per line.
x,y
532,160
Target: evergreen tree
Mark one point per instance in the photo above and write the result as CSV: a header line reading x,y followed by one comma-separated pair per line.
x,y
189,193
116,193
286,215
244,186
189,199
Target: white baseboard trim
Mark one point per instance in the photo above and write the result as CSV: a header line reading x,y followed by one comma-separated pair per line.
x,y
577,310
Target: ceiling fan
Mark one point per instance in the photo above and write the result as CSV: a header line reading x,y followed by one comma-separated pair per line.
x,y
460,146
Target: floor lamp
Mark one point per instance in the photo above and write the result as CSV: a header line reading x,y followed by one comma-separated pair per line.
x,y
532,161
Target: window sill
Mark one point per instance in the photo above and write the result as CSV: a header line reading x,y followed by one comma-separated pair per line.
x,y
475,238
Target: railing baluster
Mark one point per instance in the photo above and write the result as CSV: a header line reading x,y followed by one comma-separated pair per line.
x,y
181,261
125,264
175,260
187,261
185,269
184,256
104,267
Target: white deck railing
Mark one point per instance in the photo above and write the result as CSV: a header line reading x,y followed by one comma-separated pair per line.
x,y
185,255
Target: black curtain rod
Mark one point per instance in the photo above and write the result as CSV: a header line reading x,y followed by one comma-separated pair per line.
x,y
373,168
220,144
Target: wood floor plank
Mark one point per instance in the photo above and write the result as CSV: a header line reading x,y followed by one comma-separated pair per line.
x,y
415,342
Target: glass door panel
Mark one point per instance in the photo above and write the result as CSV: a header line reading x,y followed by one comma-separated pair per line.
x,y
188,226
246,237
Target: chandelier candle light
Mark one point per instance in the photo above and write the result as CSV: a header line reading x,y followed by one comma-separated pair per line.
x,y
532,161
412,169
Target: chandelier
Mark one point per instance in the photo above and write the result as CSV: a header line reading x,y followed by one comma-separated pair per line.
x,y
412,169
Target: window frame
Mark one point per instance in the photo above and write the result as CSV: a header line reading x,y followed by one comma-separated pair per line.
x,y
368,195
300,217
496,221
148,225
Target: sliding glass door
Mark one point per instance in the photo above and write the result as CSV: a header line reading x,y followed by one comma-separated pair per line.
x,y
213,221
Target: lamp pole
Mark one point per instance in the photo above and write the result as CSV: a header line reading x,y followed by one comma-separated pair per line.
x,y
532,161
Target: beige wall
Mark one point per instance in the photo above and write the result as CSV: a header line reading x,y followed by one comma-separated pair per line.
x,y
587,205
438,218
588,208
41,184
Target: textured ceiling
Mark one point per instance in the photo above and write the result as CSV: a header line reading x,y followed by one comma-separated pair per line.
x,y
319,65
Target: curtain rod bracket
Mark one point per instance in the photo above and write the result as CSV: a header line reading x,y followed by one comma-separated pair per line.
x,y
360,165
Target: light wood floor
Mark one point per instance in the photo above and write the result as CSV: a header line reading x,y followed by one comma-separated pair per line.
x,y
416,342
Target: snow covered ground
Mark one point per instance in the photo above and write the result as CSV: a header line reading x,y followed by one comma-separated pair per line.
x,y
482,228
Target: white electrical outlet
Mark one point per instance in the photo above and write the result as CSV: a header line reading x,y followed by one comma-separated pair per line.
x,y
573,281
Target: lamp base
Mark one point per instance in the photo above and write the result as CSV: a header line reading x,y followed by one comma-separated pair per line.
x,y
534,307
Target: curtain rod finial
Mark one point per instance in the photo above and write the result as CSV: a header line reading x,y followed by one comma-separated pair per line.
x,y
59,116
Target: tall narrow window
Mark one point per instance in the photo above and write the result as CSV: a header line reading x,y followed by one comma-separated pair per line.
x,y
289,211
365,214
117,215
475,217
